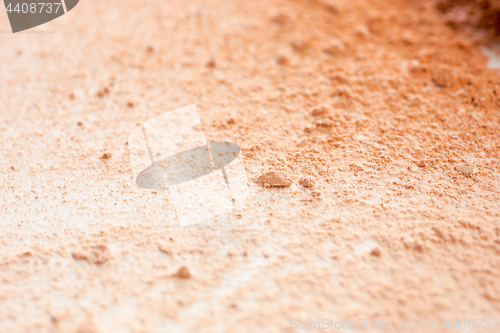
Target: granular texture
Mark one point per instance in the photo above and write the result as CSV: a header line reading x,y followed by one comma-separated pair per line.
x,y
391,111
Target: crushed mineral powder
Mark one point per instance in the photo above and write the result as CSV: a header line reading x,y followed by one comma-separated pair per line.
x,y
106,156
307,182
465,170
274,178
98,254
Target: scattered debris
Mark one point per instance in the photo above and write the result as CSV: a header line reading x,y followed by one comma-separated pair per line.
x,y
281,60
103,92
362,31
443,77
106,156
300,45
279,18
334,47
274,178
307,182
320,110
324,123
355,167
98,254
182,273
465,170
210,63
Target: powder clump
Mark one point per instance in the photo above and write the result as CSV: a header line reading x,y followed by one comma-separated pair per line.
x,y
274,178
98,254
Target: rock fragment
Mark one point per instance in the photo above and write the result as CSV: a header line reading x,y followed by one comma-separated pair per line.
x,y
274,179
421,164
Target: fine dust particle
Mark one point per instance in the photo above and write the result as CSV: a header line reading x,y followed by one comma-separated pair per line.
x,y
165,249
86,329
376,252
334,47
274,178
421,164
279,18
316,194
130,104
324,123
106,156
362,31
210,63
98,254
308,129
442,77
182,273
103,92
319,110
307,182
300,45
355,167
281,60
464,169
